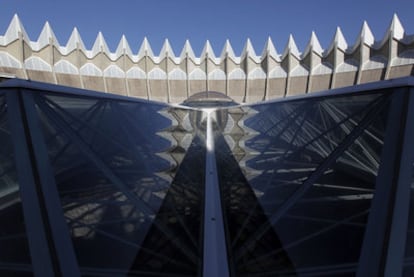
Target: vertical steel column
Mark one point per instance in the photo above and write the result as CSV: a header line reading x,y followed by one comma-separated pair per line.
x,y
215,262
58,227
38,246
399,223
376,239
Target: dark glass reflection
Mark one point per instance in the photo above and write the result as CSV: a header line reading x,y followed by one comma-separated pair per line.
x,y
296,179
174,243
302,186
14,248
242,216
131,200
408,269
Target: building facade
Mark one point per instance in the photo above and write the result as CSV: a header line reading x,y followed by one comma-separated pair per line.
x,y
105,184
247,78
96,184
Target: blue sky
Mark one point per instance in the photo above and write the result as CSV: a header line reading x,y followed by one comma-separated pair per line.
x,y
215,20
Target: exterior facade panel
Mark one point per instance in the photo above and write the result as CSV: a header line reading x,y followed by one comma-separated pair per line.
x,y
248,78
96,184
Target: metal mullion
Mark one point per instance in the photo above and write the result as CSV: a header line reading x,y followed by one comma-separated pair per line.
x,y
401,209
375,245
27,180
38,245
58,227
215,256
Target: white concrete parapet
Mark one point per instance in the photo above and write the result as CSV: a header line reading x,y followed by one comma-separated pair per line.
x,y
170,78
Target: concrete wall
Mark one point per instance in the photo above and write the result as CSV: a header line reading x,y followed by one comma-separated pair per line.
x,y
170,78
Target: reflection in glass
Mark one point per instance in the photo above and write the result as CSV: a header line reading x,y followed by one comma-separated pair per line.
x,y
14,248
312,168
296,182
408,269
131,200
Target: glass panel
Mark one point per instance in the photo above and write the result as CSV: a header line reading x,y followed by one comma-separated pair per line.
x,y
131,196
16,272
292,139
408,269
287,211
14,248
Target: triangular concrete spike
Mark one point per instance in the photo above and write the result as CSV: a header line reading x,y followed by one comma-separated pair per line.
x,y
249,49
291,47
396,29
46,35
166,48
208,50
100,44
315,44
366,35
339,40
74,40
187,50
15,27
123,46
145,49
270,49
227,50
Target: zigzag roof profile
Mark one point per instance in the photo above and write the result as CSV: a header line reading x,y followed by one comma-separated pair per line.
x,y
246,78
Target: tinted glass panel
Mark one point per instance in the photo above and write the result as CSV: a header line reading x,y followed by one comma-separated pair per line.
x,y
409,250
296,177
130,195
14,248
297,181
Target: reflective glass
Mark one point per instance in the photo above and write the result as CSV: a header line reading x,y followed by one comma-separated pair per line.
x,y
14,248
302,186
131,198
296,180
408,269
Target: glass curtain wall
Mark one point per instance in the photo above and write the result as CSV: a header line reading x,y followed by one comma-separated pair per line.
x,y
112,186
